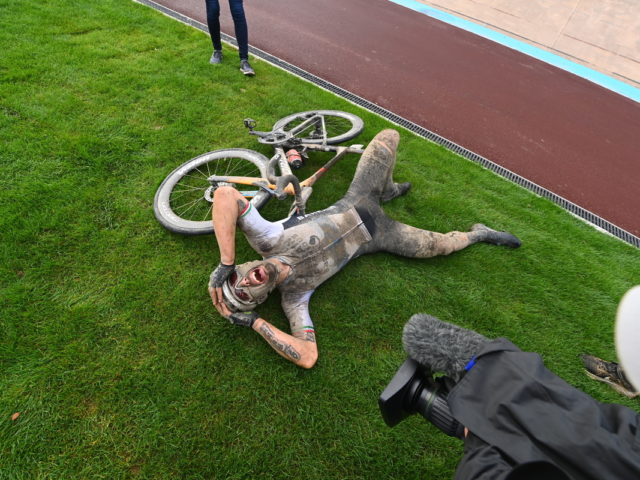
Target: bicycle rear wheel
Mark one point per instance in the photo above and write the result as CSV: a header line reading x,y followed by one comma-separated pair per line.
x,y
340,126
184,200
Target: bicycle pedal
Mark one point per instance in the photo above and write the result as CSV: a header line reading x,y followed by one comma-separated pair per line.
x,y
250,123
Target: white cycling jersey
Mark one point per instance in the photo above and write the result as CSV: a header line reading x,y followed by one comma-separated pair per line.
x,y
315,247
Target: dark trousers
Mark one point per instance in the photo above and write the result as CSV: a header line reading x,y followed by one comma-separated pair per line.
x,y
239,22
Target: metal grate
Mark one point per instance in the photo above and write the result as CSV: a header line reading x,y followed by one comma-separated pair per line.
x,y
576,210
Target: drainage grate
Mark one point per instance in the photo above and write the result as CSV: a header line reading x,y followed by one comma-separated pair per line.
x,y
576,210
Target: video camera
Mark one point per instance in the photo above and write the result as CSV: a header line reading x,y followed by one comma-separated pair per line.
x,y
412,391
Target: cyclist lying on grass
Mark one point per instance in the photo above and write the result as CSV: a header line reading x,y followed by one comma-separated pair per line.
x,y
299,253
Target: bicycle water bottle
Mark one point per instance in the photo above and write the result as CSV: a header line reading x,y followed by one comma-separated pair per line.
x,y
294,159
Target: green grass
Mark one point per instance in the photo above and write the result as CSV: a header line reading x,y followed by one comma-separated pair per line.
x,y
109,347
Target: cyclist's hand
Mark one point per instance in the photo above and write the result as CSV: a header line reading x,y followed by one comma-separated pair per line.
x,y
217,278
244,319
217,297
218,303
220,274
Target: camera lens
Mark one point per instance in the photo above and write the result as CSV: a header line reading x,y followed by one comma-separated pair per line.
x,y
411,392
433,405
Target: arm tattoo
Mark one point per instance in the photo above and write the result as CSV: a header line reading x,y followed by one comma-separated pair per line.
x,y
285,348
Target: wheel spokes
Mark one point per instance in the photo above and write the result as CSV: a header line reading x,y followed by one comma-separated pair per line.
x,y
189,195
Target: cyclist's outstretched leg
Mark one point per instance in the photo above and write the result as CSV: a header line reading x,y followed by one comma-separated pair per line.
x,y
373,183
374,175
400,239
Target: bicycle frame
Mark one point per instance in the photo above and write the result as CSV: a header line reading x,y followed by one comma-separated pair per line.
x,y
184,200
291,184
281,137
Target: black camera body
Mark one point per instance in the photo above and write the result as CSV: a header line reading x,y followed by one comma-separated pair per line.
x,y
411,391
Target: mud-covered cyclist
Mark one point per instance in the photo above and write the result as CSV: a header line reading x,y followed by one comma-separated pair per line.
x,y
300,253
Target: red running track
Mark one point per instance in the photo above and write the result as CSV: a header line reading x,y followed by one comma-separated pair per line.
x,y
566,134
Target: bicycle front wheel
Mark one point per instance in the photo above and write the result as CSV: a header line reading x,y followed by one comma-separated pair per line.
x,y
340,126
184,200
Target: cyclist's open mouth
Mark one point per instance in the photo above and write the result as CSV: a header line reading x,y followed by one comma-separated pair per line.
x,y
258,276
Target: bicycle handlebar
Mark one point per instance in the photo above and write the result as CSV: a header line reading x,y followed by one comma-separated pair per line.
x,y
280,194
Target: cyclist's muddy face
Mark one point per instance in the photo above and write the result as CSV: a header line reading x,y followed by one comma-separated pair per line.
x,y
256,276
252,282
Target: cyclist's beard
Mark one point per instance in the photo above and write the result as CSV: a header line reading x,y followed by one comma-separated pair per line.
x,y
258,293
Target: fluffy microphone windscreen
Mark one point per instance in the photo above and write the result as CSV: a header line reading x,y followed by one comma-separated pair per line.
x,y
440,346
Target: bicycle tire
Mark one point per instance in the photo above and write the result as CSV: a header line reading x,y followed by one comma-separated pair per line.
x,y
353,124
189,215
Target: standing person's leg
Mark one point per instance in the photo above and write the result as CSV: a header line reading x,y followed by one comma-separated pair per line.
x,y
213,24
242,35
241,29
